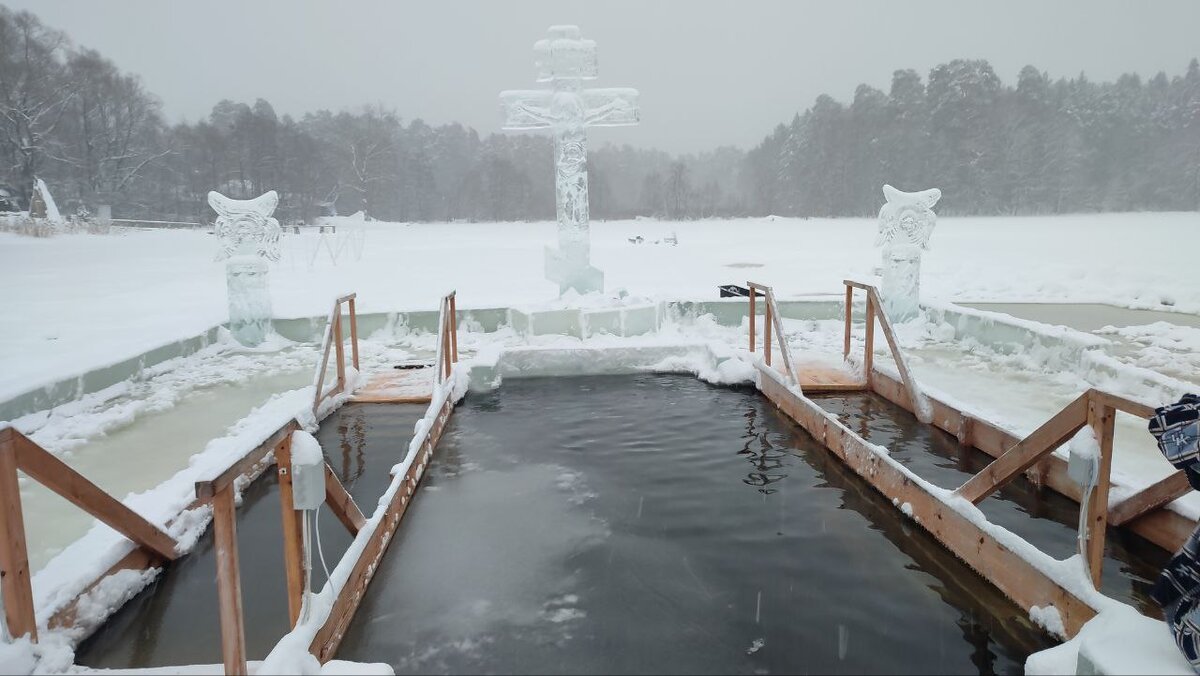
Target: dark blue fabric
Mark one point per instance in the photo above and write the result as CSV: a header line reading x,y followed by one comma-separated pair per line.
x,y
1177,429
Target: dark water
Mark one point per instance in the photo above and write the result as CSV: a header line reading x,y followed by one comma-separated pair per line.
x,y
657,524
174,620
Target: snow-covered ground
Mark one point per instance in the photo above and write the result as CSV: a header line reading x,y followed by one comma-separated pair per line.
x,y
82,301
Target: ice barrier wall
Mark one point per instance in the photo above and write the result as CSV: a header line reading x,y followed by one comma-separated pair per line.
x,y
1056,347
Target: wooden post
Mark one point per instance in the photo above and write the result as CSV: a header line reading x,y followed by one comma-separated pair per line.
x,y
229,584
445,342
354,334
294,564
14,555
752,294
849,306
453,330
869,352
341,349
1101,418
767,331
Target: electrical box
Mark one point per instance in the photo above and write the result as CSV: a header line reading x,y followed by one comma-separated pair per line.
x,y
308,472
1082,466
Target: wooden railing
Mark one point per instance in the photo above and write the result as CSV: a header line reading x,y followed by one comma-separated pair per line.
x,y
335,338
18,452
1095,409
771,324
875,311
447,348
220,490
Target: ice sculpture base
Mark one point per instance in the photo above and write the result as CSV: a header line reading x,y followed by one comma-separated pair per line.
x,y
571,273
249,299
901,288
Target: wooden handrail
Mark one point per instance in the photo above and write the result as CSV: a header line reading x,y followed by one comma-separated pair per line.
x,y
335,338
18,452
875,311
1096,409
447,345
771,323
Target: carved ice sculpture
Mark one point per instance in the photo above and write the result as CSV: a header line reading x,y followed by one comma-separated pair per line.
x,y
248,235
906,222
565,60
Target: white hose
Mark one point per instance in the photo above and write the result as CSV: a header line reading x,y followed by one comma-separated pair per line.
x,y
1082,538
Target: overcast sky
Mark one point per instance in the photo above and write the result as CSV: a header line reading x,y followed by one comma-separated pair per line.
x,y
710,72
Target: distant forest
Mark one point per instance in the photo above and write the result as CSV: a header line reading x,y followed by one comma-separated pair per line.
x,y
1043,146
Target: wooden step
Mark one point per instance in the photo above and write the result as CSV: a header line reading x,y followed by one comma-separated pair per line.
x,y
397,386
818,377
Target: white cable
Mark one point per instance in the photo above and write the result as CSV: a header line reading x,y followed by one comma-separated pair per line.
x,y
306,536
321,552
1083,530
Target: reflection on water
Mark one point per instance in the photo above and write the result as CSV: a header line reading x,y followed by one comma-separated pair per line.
x,y
604,525
766,459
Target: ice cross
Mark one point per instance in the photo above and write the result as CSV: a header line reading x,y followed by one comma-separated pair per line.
x,y
565,60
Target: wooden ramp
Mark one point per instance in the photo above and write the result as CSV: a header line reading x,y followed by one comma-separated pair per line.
x,y
397,386
816,376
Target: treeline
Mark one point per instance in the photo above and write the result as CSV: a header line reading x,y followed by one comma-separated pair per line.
x,y
96,136
1043,146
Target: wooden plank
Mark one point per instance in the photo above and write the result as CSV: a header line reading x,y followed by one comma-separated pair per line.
x,y
857,285
341,504
138,558
894,345
1122,404
1154,496
1100,417
1163,527
329,636
354,333
294,563
15,582
767,328
753,293
453,330
446,343
777,325
206,489
1052,434
59,477
229,583
849,308
1017,578
869,349
341,350
319,395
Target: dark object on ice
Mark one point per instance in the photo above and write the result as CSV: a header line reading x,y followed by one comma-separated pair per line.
x,y
734,291
410,365
1177,429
